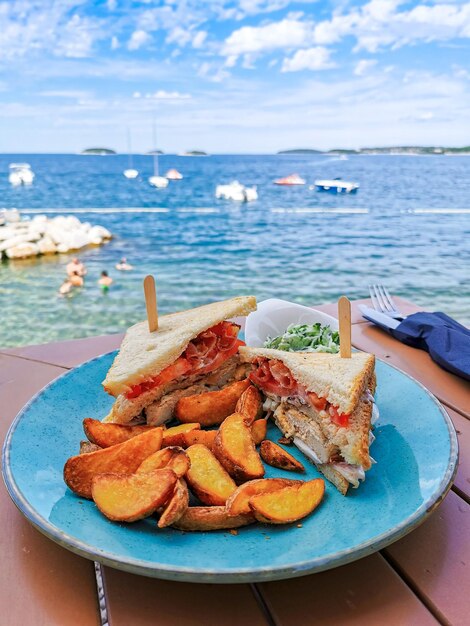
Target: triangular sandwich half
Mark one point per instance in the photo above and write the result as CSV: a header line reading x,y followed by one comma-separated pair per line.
x,y
324,403
191,352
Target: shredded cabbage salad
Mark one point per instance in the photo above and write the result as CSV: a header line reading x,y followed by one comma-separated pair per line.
x,y
306,338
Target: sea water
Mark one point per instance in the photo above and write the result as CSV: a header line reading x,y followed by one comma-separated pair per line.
x,y
408,227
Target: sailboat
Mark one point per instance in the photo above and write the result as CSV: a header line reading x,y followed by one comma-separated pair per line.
x,y
131,172
156,180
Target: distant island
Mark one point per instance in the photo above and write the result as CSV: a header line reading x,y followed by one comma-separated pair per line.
x,y
195,153
429,150
300,151
155,152
100,151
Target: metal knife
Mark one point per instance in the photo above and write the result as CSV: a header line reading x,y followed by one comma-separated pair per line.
x,y
380,319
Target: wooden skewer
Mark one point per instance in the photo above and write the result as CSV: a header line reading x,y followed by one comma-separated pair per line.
x,y
344,317
151,302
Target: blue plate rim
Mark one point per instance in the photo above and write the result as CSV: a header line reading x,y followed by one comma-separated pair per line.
x,y
227,575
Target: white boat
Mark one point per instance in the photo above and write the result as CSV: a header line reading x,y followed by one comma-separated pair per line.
x,y
236,191
158,181
292,179
20,174
131,172
174,175
335,185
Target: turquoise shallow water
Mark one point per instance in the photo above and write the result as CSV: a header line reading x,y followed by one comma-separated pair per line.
x,y
292,243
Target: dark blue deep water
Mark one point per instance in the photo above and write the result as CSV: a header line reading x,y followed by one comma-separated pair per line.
x,y
412,232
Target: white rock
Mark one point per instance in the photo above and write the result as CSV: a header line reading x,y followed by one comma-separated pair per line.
x,y
13,241
99,231
46,246
22,251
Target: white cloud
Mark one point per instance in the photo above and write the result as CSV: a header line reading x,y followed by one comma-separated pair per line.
x,y
212,72
111,4
138,39
75,94
199,39
363,66
288,33
161,94
115,43
317,58
179,36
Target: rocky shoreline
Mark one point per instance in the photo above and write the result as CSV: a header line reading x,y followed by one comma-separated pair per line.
x,y
22,238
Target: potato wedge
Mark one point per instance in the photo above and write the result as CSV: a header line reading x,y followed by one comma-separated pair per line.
x,y
172,458
259,429
211,518
250,405
87,446
176,505
288,504
274,455
123,458
210,408
127,498
239,501
207,478
235,449
106,435
173,436
206,437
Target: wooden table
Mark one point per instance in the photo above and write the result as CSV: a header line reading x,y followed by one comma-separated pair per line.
x,y
422,579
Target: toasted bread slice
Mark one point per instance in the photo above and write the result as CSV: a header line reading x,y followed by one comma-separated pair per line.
x,y
144,354
340,381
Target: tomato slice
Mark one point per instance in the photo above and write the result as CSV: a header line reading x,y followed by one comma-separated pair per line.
x,y
340,419
221,358
317,402
179,368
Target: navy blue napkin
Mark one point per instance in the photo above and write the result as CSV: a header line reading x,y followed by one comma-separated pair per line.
x,y
447,341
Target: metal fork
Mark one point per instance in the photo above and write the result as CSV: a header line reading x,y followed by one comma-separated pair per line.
x,y
382,301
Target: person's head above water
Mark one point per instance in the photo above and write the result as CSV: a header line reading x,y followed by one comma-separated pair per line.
x,y
123,259
75,260
104,273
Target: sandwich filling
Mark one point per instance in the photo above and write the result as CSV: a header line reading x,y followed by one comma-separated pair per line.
x,y
209,362
331,439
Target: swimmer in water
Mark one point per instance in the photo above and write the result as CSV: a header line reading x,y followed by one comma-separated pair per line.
x,y
105,281
75,280
123,265
76,267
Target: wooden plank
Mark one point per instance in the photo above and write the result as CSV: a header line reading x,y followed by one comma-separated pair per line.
x,y
452,390
147,601
68,353
435,560
367,592
405,306
462,479
41,584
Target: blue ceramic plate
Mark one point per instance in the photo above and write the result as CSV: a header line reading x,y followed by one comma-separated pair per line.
x,y
415,450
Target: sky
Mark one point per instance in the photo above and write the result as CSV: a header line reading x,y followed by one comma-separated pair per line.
x,y
253,76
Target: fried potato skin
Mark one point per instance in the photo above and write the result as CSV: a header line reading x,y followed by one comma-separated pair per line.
x,y
128,498
235,449
107,435
86,447
259,430
172,458
176,505
250,405
274,455
205,437
207,478
239,501
288,504
203,518
212,407
174,436
123,458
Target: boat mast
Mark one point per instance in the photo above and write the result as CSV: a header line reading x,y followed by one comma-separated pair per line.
x,y
155,155
129,149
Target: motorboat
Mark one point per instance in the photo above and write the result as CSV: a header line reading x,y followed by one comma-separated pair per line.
x,y
174,175
336,185
236,191
20,174
158,181
292,179
130,172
